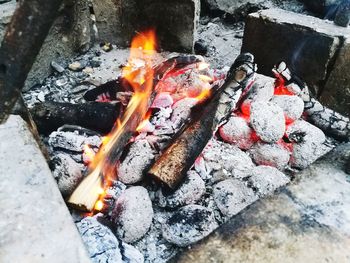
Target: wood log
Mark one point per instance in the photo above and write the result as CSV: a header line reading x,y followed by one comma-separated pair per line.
x,y
87,193
97,116
23,39
329,121
171,167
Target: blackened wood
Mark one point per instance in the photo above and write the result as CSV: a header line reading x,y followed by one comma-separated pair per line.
x,y
96,116
23,39
329,121
171,167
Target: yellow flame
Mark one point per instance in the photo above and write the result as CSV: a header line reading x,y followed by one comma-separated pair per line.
x,y
98,206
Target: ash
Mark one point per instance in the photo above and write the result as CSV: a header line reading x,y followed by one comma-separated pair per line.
x,y
143,222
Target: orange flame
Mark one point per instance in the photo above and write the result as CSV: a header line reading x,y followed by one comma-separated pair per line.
x,y
139,73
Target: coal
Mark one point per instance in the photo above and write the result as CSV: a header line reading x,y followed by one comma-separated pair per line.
x,y
189,192
231,196
72,141
292,106
275,155
238,132
268,121
188,225
103,246
222,161
133,214
132,168
266,179
67,173
309,143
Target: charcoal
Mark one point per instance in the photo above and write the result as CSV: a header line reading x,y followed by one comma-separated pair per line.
x,y
113,192
72,141
153,246
237,132
292,106
275,155
133,214
223,161
102,244
162,100
268,121
266,179
182,110
231,196
67,173
309,143
188,225
139,157
190,191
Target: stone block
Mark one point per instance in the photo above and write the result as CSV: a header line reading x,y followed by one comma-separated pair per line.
x,y
175,22
336,93
309,45
35,224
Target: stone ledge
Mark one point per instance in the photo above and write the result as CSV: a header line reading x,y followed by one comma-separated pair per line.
x,y
35,224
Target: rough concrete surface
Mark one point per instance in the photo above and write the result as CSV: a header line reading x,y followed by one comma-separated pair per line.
x,y
6,11
308,221
35,224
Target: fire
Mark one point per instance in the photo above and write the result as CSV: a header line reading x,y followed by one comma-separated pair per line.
x,y
139,73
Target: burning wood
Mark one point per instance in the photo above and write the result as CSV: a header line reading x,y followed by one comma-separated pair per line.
x,y
143,81
175,161
49,116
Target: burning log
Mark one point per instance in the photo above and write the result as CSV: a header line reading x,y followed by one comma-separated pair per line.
x,y
28,28
175,161
330,122
97,116
104,164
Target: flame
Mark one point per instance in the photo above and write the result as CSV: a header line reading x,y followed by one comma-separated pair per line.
x,y
88,153
139,73
99,205
145,121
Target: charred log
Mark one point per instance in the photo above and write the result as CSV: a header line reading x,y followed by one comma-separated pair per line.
x,y
177,159
97,116
330,122
28,28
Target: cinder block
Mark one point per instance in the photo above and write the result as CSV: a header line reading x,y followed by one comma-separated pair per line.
x,y
175,21
336,93
35,224
309,45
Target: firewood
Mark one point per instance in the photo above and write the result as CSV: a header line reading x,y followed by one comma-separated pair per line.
x,y
86,194
97,116
28,29
171,167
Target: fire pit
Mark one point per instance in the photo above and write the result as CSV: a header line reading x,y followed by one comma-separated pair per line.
x,y
152,151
